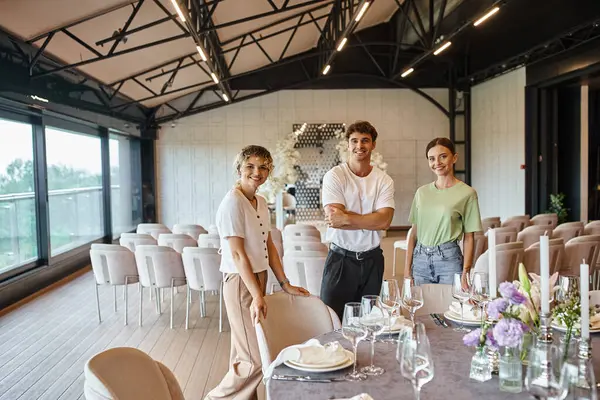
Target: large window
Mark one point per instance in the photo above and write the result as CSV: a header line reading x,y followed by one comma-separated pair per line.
x,y
18,238
74,189
125,181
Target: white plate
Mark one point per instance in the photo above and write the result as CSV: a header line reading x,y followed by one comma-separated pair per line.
x,y
343,365
456,318
562,328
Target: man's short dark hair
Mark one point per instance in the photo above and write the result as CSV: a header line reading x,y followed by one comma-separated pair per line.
x,y
362,127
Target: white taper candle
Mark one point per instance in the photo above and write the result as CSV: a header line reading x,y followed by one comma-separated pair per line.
x,y
492,263
584,281
545,273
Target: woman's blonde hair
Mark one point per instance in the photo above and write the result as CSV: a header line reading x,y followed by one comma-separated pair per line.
x,y
252,151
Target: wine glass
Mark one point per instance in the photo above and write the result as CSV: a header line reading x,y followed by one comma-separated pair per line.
x,y
354,331
416,362
374,321
480,290
462,296
412,298
390,302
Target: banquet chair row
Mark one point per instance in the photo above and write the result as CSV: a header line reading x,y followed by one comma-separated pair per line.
x,y
157,267
154,229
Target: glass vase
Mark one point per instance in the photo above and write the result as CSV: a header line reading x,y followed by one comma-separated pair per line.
x,y
510,371
526,345
481,368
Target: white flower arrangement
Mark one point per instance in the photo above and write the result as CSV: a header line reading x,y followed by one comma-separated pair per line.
x,y
285,158
342,147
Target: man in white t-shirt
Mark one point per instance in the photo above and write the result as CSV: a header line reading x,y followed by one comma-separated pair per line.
x,y
358,199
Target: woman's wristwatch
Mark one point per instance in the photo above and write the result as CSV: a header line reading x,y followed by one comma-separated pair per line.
x,y
283,282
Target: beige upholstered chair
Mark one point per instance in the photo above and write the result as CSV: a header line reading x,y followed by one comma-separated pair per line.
x,y
305,269
300,239
306,246
490,222
531,234
579,249
292,320
295,230
152,229
532,256
480,243
113,265
176,241
436,298
549,220
592,228
189,229
130,240
125,373
159,267
508,257
202,272
402,245
504,235
568,231
518,221
209,240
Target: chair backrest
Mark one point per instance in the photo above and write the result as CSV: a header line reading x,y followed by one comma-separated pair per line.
x,y
189,229
490,222
592,228
158,265
298,227
479,245
201,267
153,229
299,240
579,249
518,221
111,263
305,268
291,320
130,240
508,257
293,235
176,241
436,299
531,234
531,259
505,234
568,230
306,246
289,200
276,235
209,240
124,373
550,220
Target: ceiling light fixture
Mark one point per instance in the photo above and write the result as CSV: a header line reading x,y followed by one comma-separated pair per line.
x,y
201,52
326,69
214,77
224,95
362,11
342,44
407,72
178,10
486,16
43,100
442,48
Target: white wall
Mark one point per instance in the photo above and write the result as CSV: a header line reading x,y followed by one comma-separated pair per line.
x,y
194,159
498,144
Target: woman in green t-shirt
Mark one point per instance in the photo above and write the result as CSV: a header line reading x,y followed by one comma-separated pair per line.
x,y
442,213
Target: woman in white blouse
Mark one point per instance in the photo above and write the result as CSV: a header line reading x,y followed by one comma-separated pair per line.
x,y
247,251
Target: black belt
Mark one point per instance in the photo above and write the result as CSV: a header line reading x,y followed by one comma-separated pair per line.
x,y
359,255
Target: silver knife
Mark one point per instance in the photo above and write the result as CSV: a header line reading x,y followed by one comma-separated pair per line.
x,y
297,378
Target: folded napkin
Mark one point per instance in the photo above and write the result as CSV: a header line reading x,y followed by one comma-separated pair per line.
x,y
470,312
362,396
398,323
595,321
311,353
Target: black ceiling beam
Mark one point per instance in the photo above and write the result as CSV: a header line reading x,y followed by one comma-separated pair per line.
x,y
136,8
38,54
171,79
405,11
436,28
81,20
81,42
135,30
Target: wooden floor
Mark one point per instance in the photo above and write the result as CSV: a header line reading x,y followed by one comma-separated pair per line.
x,y
46,341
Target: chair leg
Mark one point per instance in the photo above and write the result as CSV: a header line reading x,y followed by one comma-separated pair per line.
x,y
202,304
141,301
157,301
172,287
97,301
125,295
221,308
187,308
115,296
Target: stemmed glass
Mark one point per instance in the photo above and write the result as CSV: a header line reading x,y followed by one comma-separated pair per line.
x,y
354,331
480,290
412,298
462,296
374,321
416,362
390,302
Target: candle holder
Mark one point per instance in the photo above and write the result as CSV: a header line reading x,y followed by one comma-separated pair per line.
x,y
491,352
585,349
545,335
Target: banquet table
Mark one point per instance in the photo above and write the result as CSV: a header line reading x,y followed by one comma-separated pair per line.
x,y
451,359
